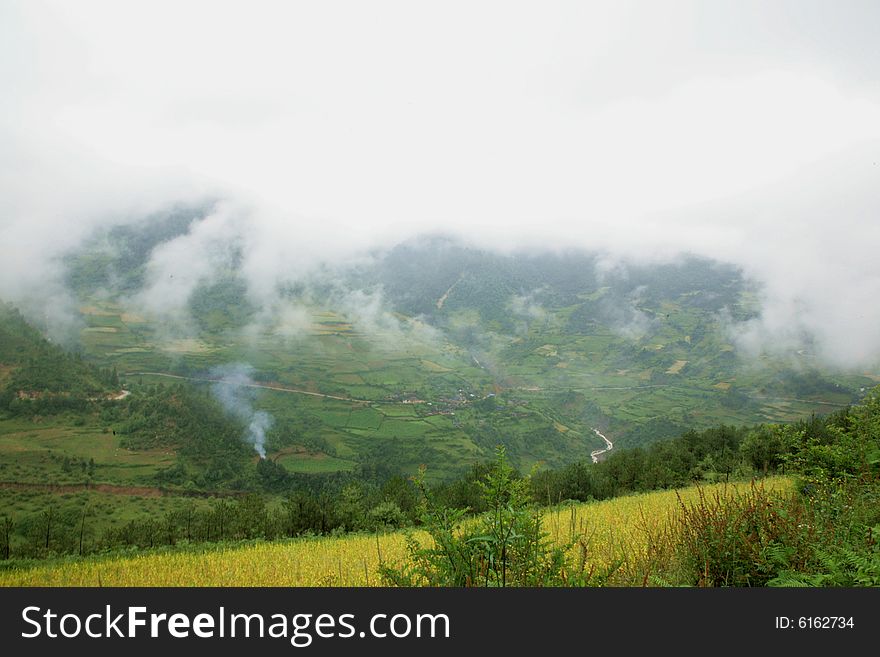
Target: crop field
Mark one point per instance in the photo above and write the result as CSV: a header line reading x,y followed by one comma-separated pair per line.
x,y
312,462
620,530
40,448
680,374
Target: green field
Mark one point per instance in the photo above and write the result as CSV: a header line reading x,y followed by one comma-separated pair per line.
x,y
313,462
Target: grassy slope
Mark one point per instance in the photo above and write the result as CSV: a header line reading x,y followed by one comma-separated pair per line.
x,y
616,529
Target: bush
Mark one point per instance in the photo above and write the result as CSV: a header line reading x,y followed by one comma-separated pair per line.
x,y
743,540
386,515
506,546
849,552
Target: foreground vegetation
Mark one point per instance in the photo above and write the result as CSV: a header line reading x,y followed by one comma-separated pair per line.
x,y
818,527
831,454
613,531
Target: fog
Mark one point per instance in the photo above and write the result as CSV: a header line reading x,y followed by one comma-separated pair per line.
x,y
743,131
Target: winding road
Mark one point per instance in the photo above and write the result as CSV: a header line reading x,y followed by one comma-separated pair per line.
x,y
257,385
596,452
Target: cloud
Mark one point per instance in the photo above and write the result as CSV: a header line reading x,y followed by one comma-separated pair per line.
x,y
333,129
527,310
626,319
811,242
178,266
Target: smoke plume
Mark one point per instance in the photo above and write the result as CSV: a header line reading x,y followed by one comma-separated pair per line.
x,y
234,389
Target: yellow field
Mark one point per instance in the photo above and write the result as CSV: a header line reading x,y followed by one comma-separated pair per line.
x,y
623,530
676,367
187,346
614,530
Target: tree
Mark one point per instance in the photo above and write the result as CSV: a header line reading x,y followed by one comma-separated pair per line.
x,y
765,447
350,506
48,517
505,547
7,536
386,515
82,530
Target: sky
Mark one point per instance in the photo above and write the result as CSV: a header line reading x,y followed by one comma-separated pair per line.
x,y
744,131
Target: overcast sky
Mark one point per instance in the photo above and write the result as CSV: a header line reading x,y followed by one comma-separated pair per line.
x,y
742,130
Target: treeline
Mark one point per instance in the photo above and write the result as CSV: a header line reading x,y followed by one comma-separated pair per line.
x,y
365,500
711,455
828,444
354,506
372,499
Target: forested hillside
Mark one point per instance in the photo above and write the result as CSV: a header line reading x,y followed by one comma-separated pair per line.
x,y
38,376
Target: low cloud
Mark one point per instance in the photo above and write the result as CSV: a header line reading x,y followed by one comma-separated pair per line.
x,y
579,127
527,311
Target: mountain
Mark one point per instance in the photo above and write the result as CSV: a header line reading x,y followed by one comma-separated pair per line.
x,y
433,351
354,375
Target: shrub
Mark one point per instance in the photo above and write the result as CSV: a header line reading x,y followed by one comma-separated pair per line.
x,y
506,546
386,515
743,540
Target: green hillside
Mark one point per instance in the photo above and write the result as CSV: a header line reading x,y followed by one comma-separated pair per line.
x,y
38,376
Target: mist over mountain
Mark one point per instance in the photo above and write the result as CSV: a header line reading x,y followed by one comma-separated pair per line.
x,y
182,263
323,140
531,347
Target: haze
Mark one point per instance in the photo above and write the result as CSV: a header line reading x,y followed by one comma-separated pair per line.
x,y
743,131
